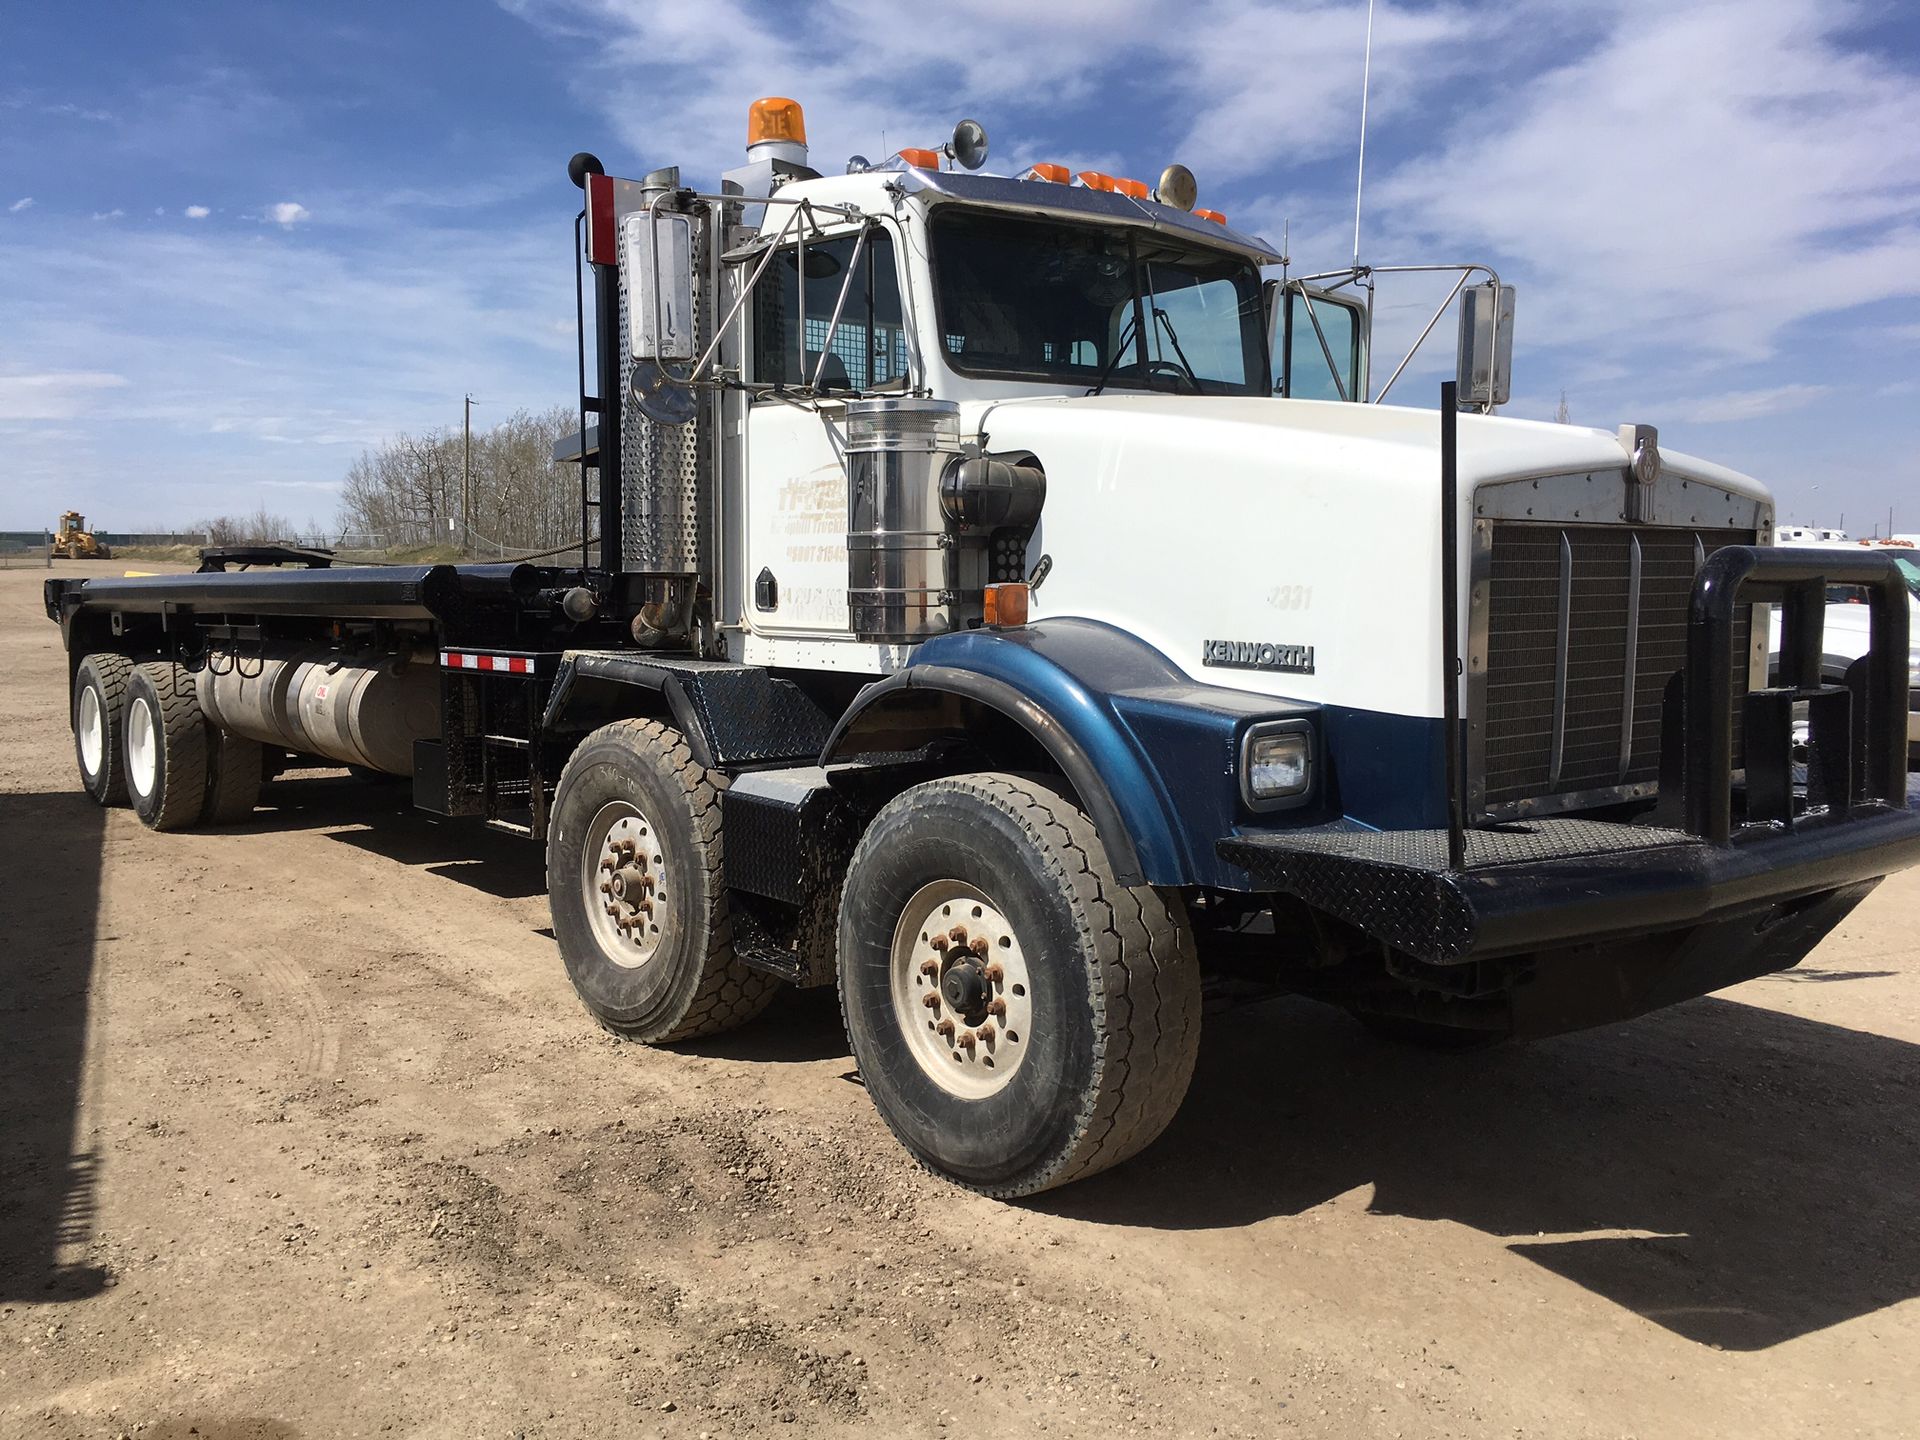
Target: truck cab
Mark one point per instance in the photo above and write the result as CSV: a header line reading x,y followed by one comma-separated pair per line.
x,y
1005,598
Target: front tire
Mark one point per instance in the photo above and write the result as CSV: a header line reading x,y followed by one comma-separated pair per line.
x,y
165,747
636,881
99,725
984,908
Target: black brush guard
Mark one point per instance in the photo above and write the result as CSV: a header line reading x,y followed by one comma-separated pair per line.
x,y
1446,896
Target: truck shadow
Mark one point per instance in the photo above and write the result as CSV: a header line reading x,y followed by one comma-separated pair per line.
x,y
1765,1162
49,1171
380,819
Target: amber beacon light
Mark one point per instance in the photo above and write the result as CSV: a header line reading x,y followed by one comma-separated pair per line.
x,y
776,118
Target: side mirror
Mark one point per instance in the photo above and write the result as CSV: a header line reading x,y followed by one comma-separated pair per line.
x,y
1485,370
656,260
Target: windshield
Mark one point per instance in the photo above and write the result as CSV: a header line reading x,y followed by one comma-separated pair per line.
x,y
1909,572
1102,307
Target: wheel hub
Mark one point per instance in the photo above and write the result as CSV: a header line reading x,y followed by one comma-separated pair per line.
x,y
967,990
960,989
93,744
624,879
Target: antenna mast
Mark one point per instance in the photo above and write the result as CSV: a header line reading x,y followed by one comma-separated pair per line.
x,y
1360,177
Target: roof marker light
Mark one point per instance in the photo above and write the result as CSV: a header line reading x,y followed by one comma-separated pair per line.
x,y
1094,180
1057,174
1214,215
917,159
1133,189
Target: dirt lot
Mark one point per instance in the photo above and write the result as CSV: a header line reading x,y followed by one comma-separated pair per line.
x,y
305,1135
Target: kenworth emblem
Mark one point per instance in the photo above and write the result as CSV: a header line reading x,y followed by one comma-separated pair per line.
x,y
1642,444
1257,655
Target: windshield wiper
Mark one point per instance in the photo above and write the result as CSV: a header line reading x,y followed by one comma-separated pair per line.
x,y
1161,318
1106,370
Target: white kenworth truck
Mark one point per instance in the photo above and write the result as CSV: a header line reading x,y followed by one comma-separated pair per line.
x,y
983,619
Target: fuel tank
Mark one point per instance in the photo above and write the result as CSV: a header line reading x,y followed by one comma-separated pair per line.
x,y
360,709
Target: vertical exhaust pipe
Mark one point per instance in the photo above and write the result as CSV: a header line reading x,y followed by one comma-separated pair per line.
x,y
1450,617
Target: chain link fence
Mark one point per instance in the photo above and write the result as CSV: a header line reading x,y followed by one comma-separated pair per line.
x,y
24,549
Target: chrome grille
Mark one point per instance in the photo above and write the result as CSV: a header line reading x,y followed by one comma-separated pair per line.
x,y
1585,625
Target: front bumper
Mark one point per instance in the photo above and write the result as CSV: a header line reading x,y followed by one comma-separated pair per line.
x,y
1543,883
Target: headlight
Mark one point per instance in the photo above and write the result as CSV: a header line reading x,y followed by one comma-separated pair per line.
x,y
1276,764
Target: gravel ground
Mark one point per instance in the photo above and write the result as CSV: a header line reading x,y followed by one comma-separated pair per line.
x,y
305,1135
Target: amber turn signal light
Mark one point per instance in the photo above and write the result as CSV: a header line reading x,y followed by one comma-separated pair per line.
x,y
1006,604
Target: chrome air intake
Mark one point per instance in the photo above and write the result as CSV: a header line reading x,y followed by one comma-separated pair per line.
x,y
897,451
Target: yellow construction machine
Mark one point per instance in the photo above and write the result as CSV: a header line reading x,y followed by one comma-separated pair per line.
x,y
76,542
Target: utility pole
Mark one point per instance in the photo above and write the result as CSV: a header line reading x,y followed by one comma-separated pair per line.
x,y
466,474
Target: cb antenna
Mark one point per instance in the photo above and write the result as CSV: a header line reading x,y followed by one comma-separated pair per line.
x,y
1360,177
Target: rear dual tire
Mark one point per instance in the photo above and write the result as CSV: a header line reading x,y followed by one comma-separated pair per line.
x,y
99,726
636,879
166,747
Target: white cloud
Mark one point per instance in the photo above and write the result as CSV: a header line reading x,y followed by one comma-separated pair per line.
x,y
287,214
114,214
1710,174
53,395
306,354
25,202
1733,405
198,212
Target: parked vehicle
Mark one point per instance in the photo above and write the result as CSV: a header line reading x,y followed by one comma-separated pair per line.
x,y
1847,636
73,541
971,626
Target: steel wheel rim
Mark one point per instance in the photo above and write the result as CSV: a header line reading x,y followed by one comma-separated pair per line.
x,y
93,732
624,884
143,747
965,1008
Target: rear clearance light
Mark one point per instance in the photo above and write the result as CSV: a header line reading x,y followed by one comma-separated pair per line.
x,y
603,243
920,159
1006,604
1057,174
1214,215
498,664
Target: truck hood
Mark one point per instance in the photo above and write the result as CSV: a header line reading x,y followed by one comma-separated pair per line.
x,y
1396,437
1287,526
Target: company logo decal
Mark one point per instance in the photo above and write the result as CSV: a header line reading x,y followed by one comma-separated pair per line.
x,y
1257,655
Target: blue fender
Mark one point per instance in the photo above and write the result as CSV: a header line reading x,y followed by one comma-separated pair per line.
x,y
1151,754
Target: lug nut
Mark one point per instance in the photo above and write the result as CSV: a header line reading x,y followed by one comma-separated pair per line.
x,y
945,1027
931,1000
929,967
966,1039
940,943
980,947
987,1034
997,1008
995,973
958,934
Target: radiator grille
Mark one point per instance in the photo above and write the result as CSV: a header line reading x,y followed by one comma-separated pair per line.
x,y
1605,740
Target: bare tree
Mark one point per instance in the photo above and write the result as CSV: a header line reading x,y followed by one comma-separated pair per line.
x,y
409,488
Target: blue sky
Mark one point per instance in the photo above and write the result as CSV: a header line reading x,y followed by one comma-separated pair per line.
x,y
239,242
